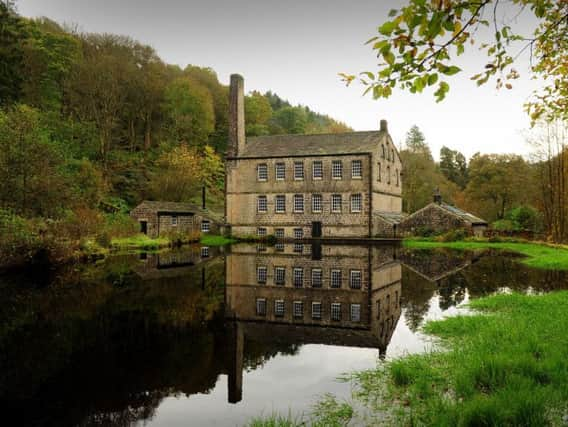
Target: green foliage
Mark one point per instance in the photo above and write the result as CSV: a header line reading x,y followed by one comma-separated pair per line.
x,y
454,166
140,241
453,235
212,240
12,36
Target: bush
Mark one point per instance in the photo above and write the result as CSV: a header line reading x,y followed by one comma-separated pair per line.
x,y
119,224
19,238
453,235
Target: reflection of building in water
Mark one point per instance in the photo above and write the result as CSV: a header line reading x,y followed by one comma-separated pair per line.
x,y
295,293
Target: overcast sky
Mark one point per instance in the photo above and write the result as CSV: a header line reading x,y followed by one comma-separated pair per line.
x,y
296,48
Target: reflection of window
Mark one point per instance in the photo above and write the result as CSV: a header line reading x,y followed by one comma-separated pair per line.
x,y
279,247
316,203
279,276
174,220
261,247
262,204
261,307
261,275
337,169
335,311
316,310
355,279
298,309
205,226
356,202
356,169
316,278
280,203
336,278
261,231
298,203
298,277
204,252
336,202
317,170
279,307
355,312
298,170
298,233
279,233
262,172
280,171
298,248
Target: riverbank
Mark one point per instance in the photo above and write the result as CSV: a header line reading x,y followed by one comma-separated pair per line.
x,y
538,254
505,365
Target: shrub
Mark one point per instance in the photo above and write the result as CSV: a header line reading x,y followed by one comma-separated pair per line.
x,y
425,231
453,235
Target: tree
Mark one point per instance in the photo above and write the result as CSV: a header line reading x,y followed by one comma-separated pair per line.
x,y
258,113
289,120
420,42
12,37
454,166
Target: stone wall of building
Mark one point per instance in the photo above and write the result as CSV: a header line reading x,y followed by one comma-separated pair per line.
x,y
431,218
144,213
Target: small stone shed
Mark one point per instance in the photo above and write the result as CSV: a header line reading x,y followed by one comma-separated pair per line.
x,y
386,224
441,217
158,218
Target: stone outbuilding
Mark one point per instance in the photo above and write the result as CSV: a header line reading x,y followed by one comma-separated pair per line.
x,y
158,218
439,217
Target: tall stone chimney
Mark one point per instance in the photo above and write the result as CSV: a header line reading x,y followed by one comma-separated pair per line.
x,y
437,196
236,116
384,126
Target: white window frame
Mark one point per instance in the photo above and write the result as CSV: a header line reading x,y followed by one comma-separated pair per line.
x,y
279,233
319,169
317,310
336,198
335,311
280,171
317,277
262,172
298,248
317,203
298,309
278,208
355,312
298,233
279,308
174,220
261,274
261,306
337,169
356,208
205,226
261,232
297,207
298,277
336,278
356,166
280,276
299,173
355,279
262,204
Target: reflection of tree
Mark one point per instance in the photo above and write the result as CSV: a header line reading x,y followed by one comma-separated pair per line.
x,y
415,299
257,353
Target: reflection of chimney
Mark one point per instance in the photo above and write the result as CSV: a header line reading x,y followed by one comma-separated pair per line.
x,y
203,204
384,126
236,116
236,366
437,196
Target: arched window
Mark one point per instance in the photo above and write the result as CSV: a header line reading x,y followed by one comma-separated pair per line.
x,y
383,152
388,174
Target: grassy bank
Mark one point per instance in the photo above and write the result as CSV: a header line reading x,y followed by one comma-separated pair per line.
x,y
141,242
539,255
212,240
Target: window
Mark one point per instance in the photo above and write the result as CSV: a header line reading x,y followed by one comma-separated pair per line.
x,y
261,247
279,247
204,252
298,248
261,307
383,151
316,203
316,278
205,226
261,232
355,312
261,204
356,169
379,171
298,170
317,170
356,203
261,275
336,203
174,220
337,169
298,277
280,171
279,307
316,310
279,276
298,309
388,174
355,279
336,278
280,203
298,203
397,178
335,311
262,172
279,233
298,233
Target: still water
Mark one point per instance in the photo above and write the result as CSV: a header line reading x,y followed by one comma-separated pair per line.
x,y
213,337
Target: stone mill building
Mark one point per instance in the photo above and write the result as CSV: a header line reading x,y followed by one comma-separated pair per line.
x,y
304,186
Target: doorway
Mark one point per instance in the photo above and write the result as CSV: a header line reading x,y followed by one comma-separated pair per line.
x,y
316,229
144,227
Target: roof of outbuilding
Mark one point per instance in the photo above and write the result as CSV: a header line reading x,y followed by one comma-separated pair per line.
x,y
178,207
309,145
391,217
466,216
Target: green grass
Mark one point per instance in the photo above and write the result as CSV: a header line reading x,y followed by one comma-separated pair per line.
x,y
213,240
505,366
538,255
140,241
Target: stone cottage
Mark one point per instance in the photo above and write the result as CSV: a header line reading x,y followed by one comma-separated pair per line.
x,y
162,218
440,217
308,186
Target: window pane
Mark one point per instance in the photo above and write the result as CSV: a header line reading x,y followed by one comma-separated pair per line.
x,y
280,171
356,202
279,307
316,203
355,312
261,307
298,170
279,233
316,278
261,275
336,203
298,309
356,169
316,310
280,203
298,233
355,279
298,203
262,172
261,231
336,278
317,170
337,169
262,204
336,311
298,277
280,276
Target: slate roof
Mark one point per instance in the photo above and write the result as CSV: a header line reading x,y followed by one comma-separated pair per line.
x,y
391,217
179,207
309,145
466,216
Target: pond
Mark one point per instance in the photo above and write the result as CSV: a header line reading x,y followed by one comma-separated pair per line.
x,y
214,336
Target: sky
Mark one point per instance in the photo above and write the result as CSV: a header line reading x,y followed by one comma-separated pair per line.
x,y
296,48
